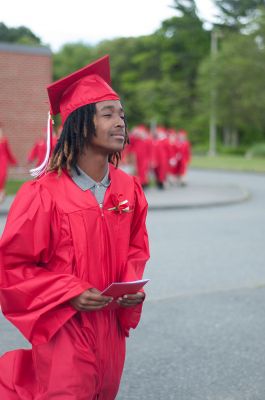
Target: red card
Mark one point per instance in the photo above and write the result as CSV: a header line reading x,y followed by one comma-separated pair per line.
x,y
119,289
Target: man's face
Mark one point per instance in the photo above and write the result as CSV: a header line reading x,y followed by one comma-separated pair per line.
x,y
110,127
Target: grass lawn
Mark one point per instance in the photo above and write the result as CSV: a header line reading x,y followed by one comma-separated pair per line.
x,y
233,163
12,186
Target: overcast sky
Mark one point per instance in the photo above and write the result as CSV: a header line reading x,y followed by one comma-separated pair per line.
x,y
58,22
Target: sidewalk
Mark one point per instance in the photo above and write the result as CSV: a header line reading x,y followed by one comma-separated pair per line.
x,y
191,196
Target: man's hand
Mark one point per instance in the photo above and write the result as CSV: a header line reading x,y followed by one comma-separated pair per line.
x,y
90,300
130,300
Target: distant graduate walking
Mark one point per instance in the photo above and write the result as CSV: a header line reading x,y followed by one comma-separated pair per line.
x,y
38,151
70,233
183,156
6,158
160,156
141,147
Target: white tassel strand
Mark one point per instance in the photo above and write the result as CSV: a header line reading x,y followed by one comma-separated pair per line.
x,y
35,172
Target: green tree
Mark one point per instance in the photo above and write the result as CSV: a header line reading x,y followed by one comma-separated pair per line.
x,y
236,77
184,44
135,73
155,74
70,58
237,13
21,35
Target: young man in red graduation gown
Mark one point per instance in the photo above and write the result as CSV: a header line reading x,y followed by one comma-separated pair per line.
x,y
69,234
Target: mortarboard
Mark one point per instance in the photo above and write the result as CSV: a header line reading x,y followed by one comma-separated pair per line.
x,y
88,85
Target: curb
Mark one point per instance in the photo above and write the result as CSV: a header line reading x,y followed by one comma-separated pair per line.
x,y
246,196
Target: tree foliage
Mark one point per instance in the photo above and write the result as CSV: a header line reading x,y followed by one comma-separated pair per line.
x,y
170,77
233,77
156,74
20,35
235,13
235,73
70,58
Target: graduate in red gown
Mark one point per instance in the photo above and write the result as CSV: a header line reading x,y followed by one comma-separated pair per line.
x,y
174,156
127,162
183,156
70,233
141,147
6,159
38,151
161,156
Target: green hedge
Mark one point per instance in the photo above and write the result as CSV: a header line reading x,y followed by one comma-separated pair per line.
x,y
257,150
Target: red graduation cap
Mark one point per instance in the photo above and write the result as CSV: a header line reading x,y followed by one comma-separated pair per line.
x,y
90,84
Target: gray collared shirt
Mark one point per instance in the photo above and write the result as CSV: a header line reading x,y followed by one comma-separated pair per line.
x,y
86,183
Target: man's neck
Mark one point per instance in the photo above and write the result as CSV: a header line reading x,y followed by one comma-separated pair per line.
x,y
93,164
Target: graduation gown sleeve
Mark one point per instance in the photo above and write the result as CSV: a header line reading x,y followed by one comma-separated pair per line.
x,y
33,294
138,255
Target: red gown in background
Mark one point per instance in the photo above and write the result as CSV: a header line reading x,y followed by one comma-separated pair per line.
x,y
57,243
141,146
38,151
184,154
161,155
174,150
6,158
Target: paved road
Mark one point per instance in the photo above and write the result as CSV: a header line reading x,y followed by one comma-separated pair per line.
x,y
202,332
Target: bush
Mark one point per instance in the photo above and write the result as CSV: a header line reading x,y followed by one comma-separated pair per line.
x,y
257,150
200,149
235,151
203,149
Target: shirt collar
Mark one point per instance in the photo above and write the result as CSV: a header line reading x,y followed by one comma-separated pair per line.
x,y
85,182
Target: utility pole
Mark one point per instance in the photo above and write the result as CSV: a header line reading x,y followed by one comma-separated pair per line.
x,y
153,126
213,129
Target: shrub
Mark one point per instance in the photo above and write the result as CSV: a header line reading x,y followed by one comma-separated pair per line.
x,y
257,150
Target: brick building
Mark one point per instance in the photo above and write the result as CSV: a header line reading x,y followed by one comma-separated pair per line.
x,y
25,72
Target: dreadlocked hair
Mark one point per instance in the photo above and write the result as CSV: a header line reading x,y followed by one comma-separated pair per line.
x,y
77,133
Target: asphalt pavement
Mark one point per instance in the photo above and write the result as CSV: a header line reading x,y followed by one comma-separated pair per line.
x,y
201,336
